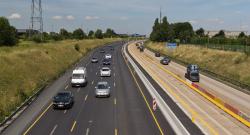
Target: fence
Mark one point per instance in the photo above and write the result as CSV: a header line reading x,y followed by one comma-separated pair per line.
x,y
239,45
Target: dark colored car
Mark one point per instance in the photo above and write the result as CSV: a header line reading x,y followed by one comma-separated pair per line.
x,y
63,100
165,61
106,62
193,73
141,48
94,60
157,54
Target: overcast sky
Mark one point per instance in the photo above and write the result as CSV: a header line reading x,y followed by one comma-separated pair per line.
x,y
130,16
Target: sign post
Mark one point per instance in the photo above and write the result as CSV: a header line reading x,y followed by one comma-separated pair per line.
x,y
154,104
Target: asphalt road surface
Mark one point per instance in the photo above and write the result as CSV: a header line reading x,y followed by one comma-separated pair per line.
x,y
125,112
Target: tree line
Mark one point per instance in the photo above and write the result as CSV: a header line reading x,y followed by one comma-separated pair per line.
x,y
183,32
9,36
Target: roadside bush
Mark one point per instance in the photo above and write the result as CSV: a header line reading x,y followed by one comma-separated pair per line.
x,y
7,33
37,39
77,47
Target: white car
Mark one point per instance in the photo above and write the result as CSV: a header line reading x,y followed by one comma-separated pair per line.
x,y
108,56
79,77
105,71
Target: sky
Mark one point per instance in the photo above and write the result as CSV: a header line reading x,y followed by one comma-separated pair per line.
x,y
130,16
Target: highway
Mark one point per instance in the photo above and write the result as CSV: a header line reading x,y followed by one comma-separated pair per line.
x,y
127,111
228,94
210,119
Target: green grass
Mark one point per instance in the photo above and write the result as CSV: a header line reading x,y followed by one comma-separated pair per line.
x,y
234,65
28,66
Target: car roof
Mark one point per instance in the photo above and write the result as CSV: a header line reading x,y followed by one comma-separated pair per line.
x,y
105,83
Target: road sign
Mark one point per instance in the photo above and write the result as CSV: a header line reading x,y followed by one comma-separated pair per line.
x,y
171,45
154,104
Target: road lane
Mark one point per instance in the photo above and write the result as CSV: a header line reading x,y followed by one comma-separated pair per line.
x,y
230,95
125,112
211,114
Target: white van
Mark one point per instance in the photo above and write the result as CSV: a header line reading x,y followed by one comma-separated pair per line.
x,y
79,77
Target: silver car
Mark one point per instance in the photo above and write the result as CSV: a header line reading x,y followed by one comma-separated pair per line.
x,y
102,89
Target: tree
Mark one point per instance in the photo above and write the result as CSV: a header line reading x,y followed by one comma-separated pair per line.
x,y
154,36
91,34
200,32
242,35
79,34
183,31
109,33
64,33
98,34
164,30
8,34
221,34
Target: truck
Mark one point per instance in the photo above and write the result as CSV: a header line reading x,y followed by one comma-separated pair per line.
x,y
79,77
192,73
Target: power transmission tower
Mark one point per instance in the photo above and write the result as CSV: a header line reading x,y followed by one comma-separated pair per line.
x,y
160,15
36,18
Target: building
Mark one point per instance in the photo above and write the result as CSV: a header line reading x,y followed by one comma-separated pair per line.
x,y
228,34
25,31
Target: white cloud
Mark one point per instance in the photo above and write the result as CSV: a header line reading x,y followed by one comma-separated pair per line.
x,y
193,22
15,16
70,17
57,17
123,18
92,17
238,12
244,26
215,20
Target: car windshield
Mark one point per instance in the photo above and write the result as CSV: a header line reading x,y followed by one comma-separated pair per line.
x,y
62,96
102,86
194,74
105,69
78,76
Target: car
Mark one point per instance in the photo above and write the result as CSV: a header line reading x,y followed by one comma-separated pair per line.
x,y
106,62
193,73
102,89
141,48
102,51
165,61
112,48
63,100
79,77
157,54
94,60
105,72
108,56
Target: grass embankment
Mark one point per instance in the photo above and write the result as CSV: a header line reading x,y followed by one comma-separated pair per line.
x,y
28,66
234,65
